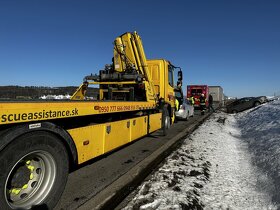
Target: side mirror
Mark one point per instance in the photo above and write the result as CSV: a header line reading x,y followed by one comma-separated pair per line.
x,y
180,75
180,78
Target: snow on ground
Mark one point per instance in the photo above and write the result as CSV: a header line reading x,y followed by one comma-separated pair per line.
x,y
260,129
217,167
56,97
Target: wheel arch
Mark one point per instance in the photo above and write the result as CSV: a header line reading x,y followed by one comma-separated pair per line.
x,y
257,102
10,134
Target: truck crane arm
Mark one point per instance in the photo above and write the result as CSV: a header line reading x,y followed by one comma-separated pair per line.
x,y
128,70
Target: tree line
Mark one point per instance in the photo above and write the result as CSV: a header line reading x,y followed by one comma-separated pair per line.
x,y
35,92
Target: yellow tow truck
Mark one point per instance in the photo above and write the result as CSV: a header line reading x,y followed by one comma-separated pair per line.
x,y
41,141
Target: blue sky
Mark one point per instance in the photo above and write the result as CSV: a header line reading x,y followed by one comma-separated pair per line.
x,y
231,43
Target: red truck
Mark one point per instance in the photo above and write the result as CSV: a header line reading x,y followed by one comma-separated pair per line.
x,y
196,91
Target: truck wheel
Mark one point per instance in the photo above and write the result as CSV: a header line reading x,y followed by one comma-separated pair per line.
x,y
165,121
33,171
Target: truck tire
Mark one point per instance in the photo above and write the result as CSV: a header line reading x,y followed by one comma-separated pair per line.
x,y
165,121
33,171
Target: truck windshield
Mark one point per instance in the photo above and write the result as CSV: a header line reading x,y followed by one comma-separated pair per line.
x,y
170,75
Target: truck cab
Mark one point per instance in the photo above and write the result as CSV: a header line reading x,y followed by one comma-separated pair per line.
x,y
162,74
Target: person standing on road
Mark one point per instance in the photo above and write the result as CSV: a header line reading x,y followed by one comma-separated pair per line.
x,y
191,100
202,102
176,104
210,106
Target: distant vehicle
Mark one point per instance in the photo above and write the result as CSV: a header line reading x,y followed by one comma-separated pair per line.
x,y
272,98
243,104
196,91
186,110
217,94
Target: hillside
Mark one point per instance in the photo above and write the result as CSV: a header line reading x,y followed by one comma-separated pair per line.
x,y
34,92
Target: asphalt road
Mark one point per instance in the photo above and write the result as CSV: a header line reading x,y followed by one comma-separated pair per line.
x,y
93,177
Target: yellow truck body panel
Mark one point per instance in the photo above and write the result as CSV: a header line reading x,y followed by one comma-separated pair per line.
x,y
94,140
37,111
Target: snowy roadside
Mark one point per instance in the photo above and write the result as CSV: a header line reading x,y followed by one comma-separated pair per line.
x,y
260,128
212,170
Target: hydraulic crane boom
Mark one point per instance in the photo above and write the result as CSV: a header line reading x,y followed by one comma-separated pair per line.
x,y
129,72
129,54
